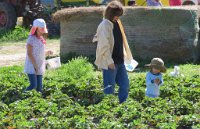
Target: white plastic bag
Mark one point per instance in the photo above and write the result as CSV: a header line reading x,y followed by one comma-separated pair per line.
x,y
176,72
130,67
53,63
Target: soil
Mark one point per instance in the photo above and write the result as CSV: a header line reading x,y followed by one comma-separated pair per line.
x,y
15,53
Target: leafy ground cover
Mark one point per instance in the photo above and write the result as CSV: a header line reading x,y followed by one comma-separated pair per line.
x,y
73,98
17,34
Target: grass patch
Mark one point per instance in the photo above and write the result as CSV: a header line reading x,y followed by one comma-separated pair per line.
x,y
190,70
17,34
187,70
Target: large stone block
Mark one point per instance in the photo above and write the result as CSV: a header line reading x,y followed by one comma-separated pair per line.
x,y
169,33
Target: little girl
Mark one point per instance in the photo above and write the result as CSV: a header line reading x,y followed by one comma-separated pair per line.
x,y
154,77
35,58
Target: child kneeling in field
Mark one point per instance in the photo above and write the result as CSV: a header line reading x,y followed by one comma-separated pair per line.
x,y
154,77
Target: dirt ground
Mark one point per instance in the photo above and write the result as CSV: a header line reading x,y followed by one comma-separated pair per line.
x,y
15,53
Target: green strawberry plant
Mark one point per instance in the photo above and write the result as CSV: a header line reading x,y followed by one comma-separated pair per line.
x,y
73,98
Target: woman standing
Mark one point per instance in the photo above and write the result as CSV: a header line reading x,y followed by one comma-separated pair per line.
x,y
112,51
35,57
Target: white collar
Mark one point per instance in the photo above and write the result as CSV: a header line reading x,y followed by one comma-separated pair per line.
x,y
108,21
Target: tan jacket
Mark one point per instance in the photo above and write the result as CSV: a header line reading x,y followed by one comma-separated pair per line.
x,y
105,44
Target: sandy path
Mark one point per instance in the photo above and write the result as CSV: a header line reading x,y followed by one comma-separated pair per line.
x,y
15,53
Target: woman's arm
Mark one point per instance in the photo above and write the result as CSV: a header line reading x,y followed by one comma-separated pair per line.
x,y
31,57
104,45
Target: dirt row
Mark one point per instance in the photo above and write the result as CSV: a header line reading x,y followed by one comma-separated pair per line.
x,y
15,53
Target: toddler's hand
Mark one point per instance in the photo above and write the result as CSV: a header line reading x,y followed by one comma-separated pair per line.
x,y
157,81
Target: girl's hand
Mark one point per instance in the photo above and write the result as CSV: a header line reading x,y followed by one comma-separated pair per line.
x,y
36,69
48,53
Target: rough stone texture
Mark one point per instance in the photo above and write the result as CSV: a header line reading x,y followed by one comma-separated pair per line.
x,y
169,33
77,34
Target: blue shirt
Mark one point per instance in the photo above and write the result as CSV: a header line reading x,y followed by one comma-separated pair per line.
x,y
152,88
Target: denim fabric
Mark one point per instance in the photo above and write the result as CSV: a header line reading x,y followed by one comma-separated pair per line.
x,y
35,82
119,76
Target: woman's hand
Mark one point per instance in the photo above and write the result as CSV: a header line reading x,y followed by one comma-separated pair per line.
x,y
111,66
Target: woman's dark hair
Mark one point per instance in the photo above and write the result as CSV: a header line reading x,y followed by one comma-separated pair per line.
x,y
114,8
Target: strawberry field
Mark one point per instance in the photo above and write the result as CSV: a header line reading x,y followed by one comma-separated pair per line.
x,y
73,98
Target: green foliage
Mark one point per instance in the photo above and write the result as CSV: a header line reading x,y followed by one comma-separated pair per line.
x,y
78,68
71,55
73,98
17,34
